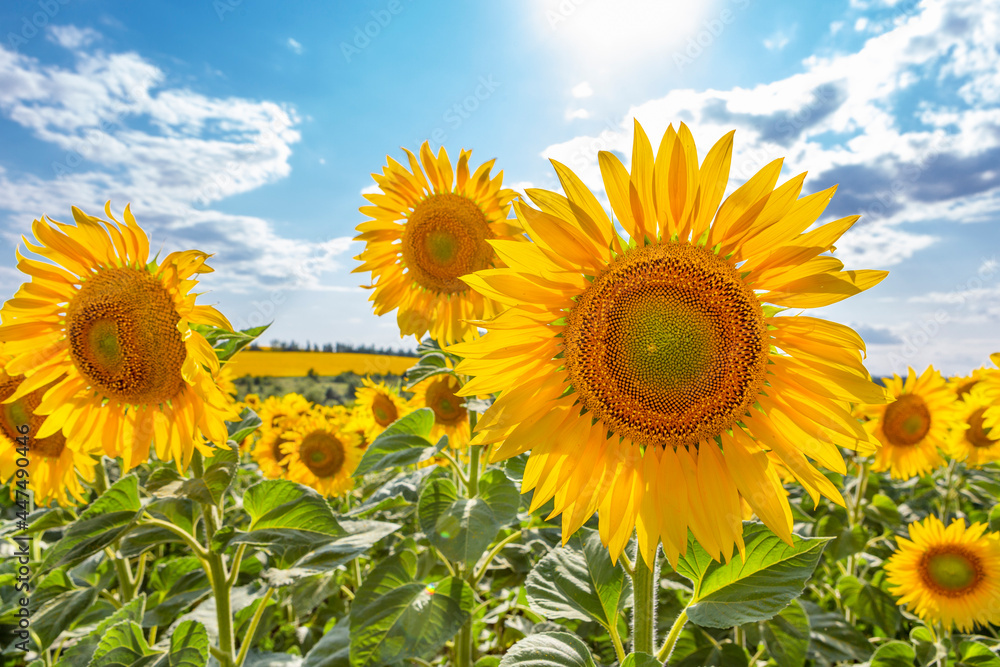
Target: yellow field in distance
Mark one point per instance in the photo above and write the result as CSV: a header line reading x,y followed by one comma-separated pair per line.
x,y
297,364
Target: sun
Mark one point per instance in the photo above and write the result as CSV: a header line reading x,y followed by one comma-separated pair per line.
x,y
654,375
109,331
430,226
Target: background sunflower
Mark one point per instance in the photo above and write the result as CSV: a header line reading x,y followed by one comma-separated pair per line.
x,y
321,452
430,226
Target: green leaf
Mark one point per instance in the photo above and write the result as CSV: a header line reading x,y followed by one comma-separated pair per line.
x,y
995,518
786,636
870,603
578,581
228,343
361,536
403,443
188,589
81,653
47,519
717,655
107,519
333,649
218,477
881,508
976,654
412,621
549,649
392,573
463,528
640,660
188,645
846,541
181,512
61,613
833,639
124,644
756,589
248,423
401,490
288,520
894,654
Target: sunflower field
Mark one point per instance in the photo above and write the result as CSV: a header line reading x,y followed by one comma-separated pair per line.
x,y
624,442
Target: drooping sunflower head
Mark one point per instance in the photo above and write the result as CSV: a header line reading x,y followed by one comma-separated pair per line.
x,y
322,452
111,329
430,226
277,414
653,374
969,440
54,470
948,575
376,406
439,393
913,424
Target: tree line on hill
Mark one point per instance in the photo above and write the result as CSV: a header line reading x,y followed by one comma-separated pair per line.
x,y
292,346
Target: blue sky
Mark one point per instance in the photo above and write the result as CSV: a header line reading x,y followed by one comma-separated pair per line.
x,y
249,130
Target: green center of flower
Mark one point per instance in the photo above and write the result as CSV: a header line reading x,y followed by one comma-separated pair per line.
x,y
977,435
442,400
123,337
322,453
951,572
907,420
445,237
668,345
384,410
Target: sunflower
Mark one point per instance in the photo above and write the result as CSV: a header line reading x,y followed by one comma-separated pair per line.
x,y
439,393
426,232
969,440
645,373
321,452
109,330
949,575
963,384
54,469
276,416
990,384
376,406
913,424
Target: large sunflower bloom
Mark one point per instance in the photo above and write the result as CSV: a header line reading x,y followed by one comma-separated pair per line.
x,y
439,393
913,425
322,452
643,371
276,416
429,228
54,470
109,330
376,406
969,440
949,575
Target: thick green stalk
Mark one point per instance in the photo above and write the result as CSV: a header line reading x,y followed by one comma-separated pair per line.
x,y
644,584
221,589
465,642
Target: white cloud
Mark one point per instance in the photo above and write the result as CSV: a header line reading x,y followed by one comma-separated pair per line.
x,y
125,136
295,46
582,90
838,120
861,24
71,37
572,114
779,39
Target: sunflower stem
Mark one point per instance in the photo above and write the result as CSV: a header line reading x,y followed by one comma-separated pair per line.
x,y
675,632
644,585
949,491
465,648
221,589
252,630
